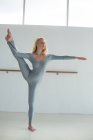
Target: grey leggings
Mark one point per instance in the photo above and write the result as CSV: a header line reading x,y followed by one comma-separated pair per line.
x,y
33,77
26,71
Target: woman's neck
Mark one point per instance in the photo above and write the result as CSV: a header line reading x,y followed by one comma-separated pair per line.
x,y
39,53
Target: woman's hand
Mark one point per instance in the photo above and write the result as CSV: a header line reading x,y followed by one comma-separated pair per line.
x,y
9,36
81,58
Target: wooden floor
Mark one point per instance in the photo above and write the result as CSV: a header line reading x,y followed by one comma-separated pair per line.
x,y
13,126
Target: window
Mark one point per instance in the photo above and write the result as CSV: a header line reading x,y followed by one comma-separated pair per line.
x,y
46,12
11,11
81,13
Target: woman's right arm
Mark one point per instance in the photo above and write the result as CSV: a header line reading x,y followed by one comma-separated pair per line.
x,y
16,52
11,44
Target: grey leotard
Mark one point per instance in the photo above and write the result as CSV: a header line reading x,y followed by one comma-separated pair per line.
x,y
33,76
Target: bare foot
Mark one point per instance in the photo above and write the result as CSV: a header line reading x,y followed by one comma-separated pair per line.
x,y
31,128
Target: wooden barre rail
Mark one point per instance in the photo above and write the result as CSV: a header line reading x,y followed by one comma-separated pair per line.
x,y
49,71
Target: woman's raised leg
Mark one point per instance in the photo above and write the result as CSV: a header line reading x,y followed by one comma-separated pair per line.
x,y
22,63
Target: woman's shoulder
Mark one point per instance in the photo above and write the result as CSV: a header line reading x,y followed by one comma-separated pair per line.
x,y
49,56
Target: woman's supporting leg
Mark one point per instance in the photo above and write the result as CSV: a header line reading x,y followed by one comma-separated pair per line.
x,y
31,97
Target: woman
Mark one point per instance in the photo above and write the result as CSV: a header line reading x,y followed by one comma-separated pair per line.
x,y
39,59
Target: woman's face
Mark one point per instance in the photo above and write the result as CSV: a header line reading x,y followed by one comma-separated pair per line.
x,y
40,44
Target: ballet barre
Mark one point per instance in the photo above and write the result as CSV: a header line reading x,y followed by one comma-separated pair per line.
x,y
65,72
48,71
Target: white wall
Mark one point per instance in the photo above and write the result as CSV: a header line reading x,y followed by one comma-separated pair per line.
x,y
63,93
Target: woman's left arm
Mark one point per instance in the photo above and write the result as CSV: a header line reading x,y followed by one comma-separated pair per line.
x,y
64,57
81,58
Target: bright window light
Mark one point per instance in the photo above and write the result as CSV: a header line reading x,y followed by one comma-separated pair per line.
x,y
11,11
81,13
46,12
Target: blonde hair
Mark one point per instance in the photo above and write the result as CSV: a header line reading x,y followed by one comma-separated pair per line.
x,y
44,51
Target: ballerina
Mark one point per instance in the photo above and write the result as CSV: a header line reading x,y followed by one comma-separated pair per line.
x,y
39,59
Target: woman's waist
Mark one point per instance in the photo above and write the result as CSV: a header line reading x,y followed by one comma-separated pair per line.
x,y
36,75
